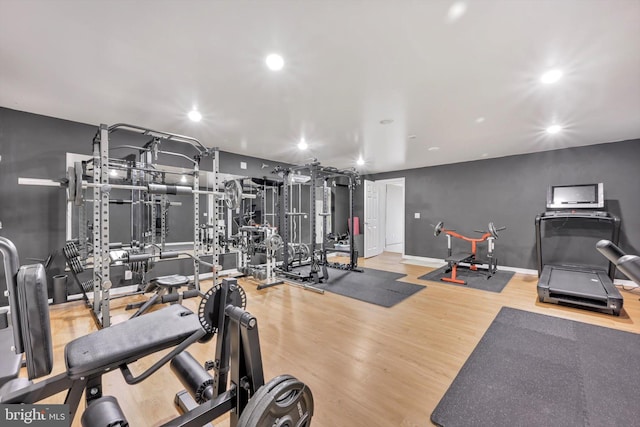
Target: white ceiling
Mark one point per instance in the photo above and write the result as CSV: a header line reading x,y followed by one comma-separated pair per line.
x,y
349,64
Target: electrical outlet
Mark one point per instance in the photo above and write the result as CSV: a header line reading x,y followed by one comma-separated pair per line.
x,y
416,215
243,165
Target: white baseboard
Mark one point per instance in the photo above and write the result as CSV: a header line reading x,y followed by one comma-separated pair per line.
x,y
424,261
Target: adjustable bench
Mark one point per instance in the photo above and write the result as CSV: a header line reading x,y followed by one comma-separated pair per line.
x,y
166,288
129,341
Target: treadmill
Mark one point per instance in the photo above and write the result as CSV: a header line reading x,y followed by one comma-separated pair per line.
x,y
581,284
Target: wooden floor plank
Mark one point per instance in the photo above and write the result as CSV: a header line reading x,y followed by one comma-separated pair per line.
x,y
366,365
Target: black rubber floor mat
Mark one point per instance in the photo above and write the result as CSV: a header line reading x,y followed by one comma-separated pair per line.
x,y
372,286
474,279
535,370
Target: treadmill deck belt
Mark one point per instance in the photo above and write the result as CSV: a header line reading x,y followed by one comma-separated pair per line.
x,y
572,282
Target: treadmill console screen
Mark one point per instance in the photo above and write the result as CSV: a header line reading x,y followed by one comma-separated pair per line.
x,y
584,196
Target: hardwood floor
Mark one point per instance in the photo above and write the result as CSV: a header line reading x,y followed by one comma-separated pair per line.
x,y
366,365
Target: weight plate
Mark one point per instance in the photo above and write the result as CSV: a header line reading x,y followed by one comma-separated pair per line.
x,y
291,252
274,243
492,230
287,402
233,193
261,392
305,252
438,228
209,308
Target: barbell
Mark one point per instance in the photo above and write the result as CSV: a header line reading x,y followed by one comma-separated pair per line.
x,y
232,193
493,230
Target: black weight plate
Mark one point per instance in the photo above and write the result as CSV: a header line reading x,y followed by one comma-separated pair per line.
x,y
438,228
209,308
492,230
259,396
288,404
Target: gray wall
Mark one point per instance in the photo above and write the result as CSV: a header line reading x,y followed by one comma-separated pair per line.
x,y
510,191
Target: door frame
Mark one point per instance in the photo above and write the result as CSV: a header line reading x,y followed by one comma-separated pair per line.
x,y
382,225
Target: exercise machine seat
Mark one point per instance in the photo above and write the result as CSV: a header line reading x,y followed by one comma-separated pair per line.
x,y
460,257
172,281
129,341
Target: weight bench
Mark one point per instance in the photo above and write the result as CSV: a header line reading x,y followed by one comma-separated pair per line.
x,y
87,358
453,261
166,291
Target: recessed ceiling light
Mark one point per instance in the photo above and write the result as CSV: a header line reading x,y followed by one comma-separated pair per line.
x,y
480,120
183,178
551,76
302,145
195,115
554,129
113,172
274,62
412,136
433,148
485,154
386,121
456,11
360,161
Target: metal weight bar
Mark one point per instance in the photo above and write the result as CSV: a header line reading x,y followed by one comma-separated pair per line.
x,y
150,188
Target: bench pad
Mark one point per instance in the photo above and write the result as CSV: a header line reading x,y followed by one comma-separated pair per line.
x,y
460,257
129,341
173,281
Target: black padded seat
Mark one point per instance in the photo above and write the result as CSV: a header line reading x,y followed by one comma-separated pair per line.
x,y
10,362
459,257
129,341
172,281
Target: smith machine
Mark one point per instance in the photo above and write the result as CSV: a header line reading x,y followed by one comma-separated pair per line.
x,y
149,188
319,177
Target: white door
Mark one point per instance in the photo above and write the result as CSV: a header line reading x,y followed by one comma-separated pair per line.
x,y
372,246
394,219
